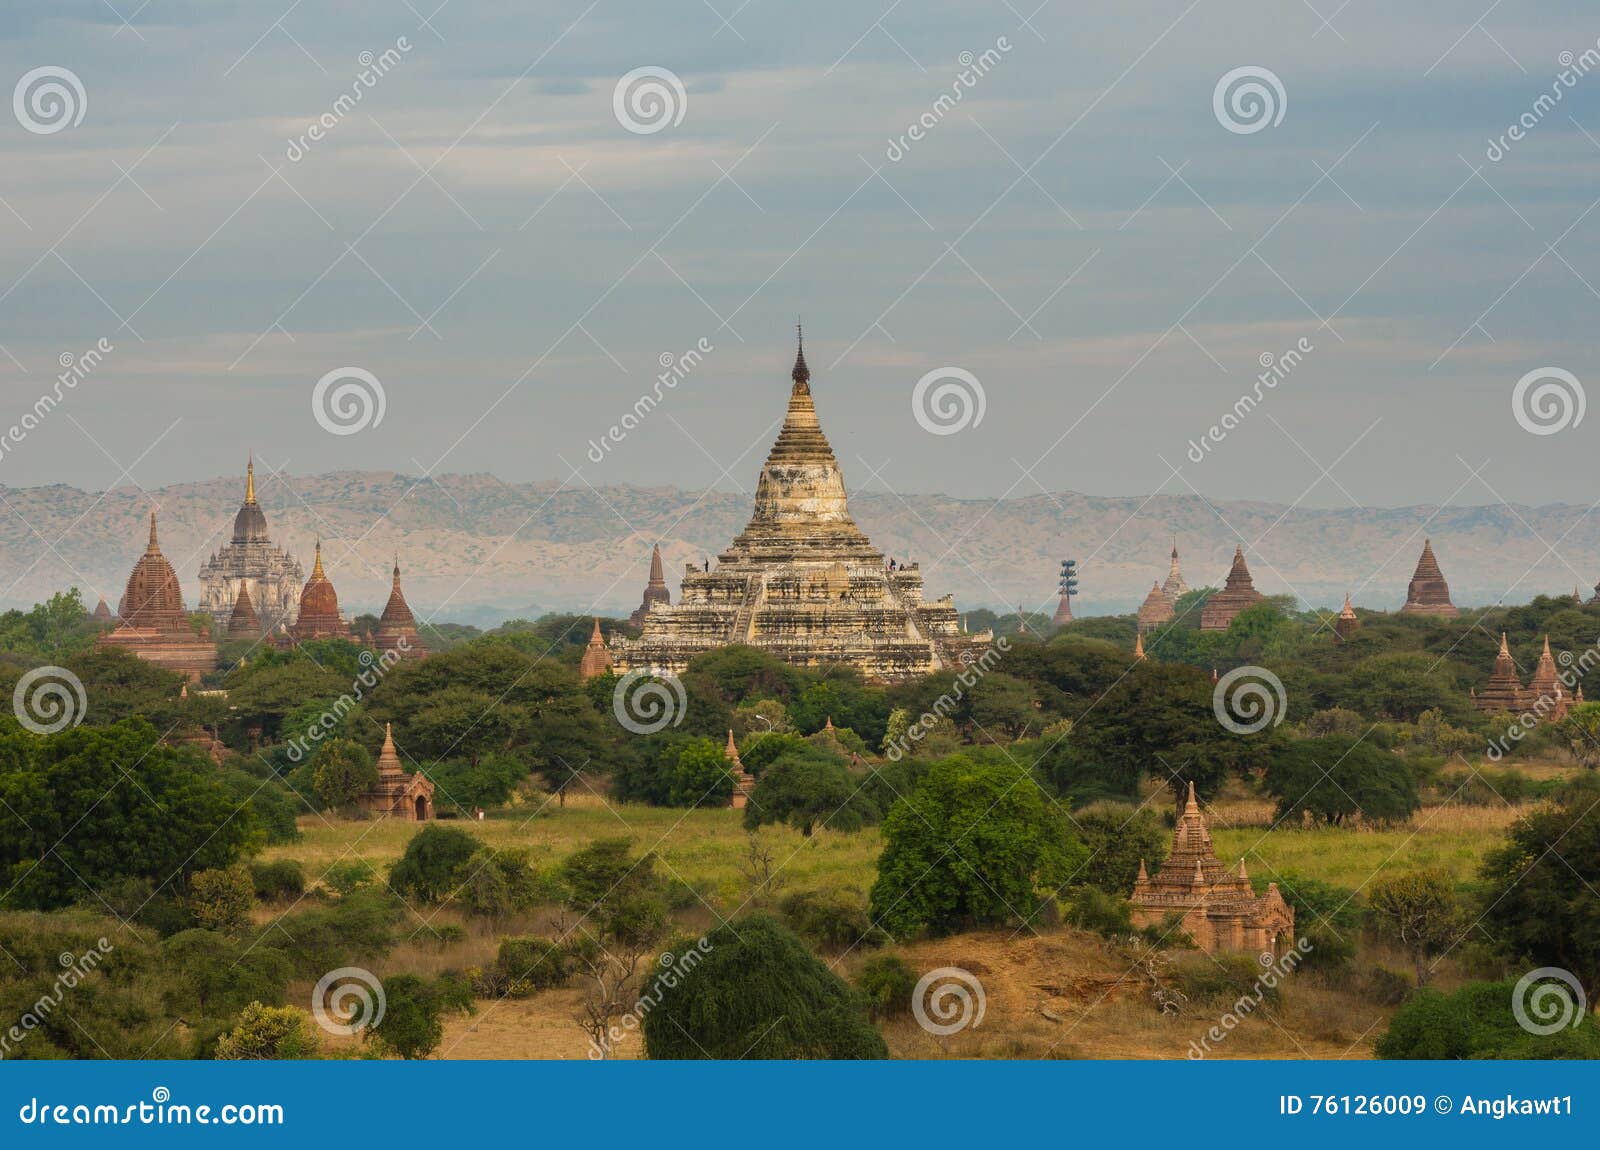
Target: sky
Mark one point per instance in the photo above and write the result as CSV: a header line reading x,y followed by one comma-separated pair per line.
x,y
1061,281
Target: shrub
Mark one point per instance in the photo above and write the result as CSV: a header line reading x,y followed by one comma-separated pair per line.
x,y
1221,979
411,1025
1094,910
528,964
454,992
222,899
831,919
1386,987
433,861
270,1033
1477,1022
758,993
494,884
280,881
887,980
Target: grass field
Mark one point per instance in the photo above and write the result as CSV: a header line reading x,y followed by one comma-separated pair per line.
x,y
1054,993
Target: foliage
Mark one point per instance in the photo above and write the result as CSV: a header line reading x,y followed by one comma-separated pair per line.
x,y
222,899
1476,1021
758,993
495,884
1420,911
887,980
412,1025
973,845
1118,837
87,806
808,788
342,771
701,777
621,895
834,920
278,881
526,964
1334,778
270,1033
433,863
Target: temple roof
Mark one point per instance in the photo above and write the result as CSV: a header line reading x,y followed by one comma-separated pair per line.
x,y
395,610
250,524
244,620
153,598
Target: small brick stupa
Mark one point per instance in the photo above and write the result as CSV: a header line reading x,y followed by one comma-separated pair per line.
x,y
1504,690
655,590
596,659
152,622
102,612
243,622
1155,610
319,608
397,627
1220,909
1238,593
1428,593
397,795
1547,695
1346,624
743,782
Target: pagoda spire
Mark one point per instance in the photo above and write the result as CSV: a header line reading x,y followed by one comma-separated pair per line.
x,y
250,479
316,566
801,373
153,547
1138,645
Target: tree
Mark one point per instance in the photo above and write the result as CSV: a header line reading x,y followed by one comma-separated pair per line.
x,y
974,844
1118,838
412,1024
1335,778
1160,719
341,772
701,776
433,864
217,976
87,806
758,993
1418,910
497,884
1544,879
270,1033
1580,730
806,788
222,899
1477,1022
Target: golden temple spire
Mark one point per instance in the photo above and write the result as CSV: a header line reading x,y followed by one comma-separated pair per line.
x,y
316,567
1138,645
250,479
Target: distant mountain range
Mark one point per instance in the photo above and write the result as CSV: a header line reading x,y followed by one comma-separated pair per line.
x,y
475,549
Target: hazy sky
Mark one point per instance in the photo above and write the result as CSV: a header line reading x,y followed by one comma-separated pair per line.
x,y
1081,232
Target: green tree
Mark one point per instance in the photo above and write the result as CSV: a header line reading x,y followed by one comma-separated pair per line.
x,y
1580,730
759,993
1477,1021
1418,910
412,1025
701,777
1118,838
808,788
1336,778
1544,880
974,844
341,772
434,863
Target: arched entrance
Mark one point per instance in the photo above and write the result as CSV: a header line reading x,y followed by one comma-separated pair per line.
x,y
422,808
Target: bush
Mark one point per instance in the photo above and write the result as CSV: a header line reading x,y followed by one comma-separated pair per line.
x,y
887,980
1221,979
1477,1022
454,992
1094,910
222,899
281,881
347,875
528,964
1386,987
831,919
434,859
494,884
270,1033
411,1025
758,993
